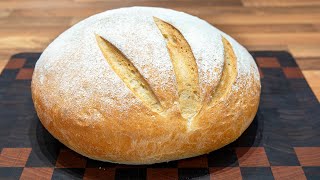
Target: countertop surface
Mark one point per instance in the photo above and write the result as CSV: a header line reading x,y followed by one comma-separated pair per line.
x,y
290,25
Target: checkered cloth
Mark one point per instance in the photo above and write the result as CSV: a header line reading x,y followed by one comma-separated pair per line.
x,y
282,142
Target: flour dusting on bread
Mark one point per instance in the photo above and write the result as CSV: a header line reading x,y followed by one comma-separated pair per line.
x,y
86,104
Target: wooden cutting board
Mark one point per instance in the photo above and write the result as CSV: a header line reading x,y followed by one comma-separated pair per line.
x,y
282,142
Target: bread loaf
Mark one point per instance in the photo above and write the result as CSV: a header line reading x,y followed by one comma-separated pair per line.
x,y
144,85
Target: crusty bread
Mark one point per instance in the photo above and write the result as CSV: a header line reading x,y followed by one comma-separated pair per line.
x,y
144,85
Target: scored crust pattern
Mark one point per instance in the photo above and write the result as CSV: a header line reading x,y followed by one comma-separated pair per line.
x,y
129,74
125,86
185,69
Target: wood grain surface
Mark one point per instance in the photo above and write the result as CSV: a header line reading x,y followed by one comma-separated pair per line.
x,y
291,25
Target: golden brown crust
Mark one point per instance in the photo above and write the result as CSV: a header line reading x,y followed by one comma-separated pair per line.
x,y
140,134
129,74
154,141
185,68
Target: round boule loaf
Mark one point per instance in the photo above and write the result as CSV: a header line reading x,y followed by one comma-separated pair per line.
x,y
144,85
